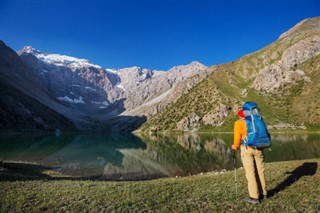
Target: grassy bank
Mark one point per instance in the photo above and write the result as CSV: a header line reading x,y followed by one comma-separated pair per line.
x,y
292,186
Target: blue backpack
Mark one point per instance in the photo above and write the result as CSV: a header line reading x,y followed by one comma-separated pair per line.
x,y
258,135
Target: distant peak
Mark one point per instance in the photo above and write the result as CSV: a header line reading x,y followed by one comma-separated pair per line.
x,y
29,50
57,59
193,64
196,63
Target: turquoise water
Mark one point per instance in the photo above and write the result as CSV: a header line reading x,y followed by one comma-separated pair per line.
x,y
130,157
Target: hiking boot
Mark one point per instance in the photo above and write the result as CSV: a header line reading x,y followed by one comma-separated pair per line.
x,y
263,198
251,200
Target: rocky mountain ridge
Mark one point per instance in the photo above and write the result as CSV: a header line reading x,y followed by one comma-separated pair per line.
x,y
99,86
94,96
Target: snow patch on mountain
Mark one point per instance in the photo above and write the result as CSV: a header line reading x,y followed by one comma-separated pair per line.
x,y
60,60
105,103
73,101
119,85
90,88
113,71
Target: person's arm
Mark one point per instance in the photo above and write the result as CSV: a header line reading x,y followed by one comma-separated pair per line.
x,y
236,135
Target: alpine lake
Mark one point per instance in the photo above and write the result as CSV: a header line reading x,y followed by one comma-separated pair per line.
x,y
141,157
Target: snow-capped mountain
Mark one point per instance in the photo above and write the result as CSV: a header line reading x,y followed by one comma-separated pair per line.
x,y
59,60
103,93
76,82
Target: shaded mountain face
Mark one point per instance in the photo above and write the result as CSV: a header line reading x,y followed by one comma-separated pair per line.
x,y
92,97
283,78
19,111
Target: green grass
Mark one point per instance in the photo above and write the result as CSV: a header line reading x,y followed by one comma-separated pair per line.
x,y
200,193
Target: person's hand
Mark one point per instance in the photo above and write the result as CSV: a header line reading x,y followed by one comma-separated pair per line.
x,y
233,147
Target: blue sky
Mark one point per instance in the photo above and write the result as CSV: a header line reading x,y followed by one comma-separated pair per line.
x,y
150,34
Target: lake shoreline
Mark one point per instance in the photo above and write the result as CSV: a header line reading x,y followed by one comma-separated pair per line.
x,y
8,133
27,170
24,170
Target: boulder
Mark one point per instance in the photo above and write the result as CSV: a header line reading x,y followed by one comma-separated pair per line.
x,y
216,116
191,122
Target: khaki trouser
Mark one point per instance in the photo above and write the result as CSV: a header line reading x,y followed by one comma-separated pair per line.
x,y
253,163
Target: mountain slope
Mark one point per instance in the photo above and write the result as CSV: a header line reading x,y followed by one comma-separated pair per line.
x,y
283,78
165,89
19,111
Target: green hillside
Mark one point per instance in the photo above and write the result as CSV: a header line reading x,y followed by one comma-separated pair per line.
x,y
292,102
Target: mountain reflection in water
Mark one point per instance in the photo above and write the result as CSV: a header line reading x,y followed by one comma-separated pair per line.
x,y
130,157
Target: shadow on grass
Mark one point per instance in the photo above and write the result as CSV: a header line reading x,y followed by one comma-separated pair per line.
x,y
22,171
306,169
17,171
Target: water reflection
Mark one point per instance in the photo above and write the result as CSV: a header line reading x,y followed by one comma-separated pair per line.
x,y
293,147
190,153
127,157
77,155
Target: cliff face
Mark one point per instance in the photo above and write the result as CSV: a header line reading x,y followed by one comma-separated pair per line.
x,y
283,78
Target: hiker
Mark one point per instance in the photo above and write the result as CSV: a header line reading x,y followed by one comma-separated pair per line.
x,y
252,160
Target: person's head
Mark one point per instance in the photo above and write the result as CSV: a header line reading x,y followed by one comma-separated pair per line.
x,y
240,114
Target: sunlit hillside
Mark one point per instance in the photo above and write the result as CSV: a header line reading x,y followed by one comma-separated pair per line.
x,y
283,78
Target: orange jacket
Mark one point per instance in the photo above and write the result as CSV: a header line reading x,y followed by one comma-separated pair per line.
x,y
240,132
